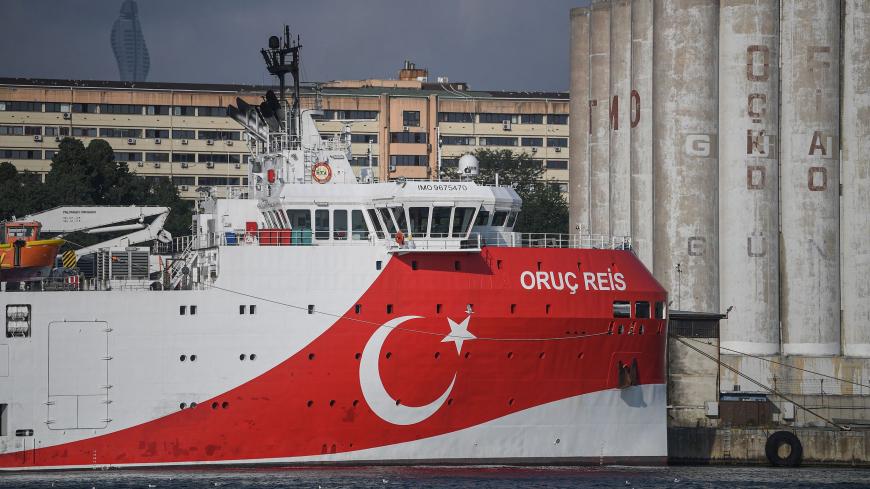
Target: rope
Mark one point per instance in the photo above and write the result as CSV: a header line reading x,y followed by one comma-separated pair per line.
x,y
410,330
759,384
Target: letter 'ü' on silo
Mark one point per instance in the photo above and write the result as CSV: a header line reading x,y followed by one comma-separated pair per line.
x,y
578,169
620,133
640,121
599,129
748,175
685,174
855,220
809,178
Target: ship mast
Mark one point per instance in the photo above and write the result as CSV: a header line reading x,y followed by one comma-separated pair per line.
x,y
276,62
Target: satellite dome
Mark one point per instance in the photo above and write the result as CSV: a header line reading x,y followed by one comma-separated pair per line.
x,y
468,166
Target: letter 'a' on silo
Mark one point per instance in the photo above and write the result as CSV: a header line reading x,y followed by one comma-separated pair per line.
x,y
640,122
685,174
809,177
855,220
748,175
599,129
620,132
578,169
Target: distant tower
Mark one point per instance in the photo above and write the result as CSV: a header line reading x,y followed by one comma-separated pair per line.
x,y
129,44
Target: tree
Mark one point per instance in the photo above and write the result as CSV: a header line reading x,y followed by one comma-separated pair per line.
x,y
89,175
544,208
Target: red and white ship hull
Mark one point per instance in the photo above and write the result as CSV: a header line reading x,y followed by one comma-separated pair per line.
x,y
313,355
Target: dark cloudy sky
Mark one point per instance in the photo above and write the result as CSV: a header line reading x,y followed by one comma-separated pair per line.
x,y
491,44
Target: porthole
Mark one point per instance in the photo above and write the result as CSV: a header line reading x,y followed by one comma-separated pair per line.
x,y
498,264
310,403
225,405
580,356
253,356
355,402
541,355
357,356
192,310
388,355
193,358
310,308
357,308
242,357
413,264
214,405
192,405
311,356
437,355
467,354
252,309
332,402
510,402
183,405
457,266
389,308
242,309
182,358
510,354
450,401
398,402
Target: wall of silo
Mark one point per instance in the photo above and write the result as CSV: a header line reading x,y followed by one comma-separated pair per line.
x,y
620,133
640,122
809,178
578,168
749,175
599,129
855,201
685,120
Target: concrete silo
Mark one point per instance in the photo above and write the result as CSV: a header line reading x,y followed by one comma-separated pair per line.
x,y
578,169
855,220
685,120
748,174
620,132
599,129
640,121
809,177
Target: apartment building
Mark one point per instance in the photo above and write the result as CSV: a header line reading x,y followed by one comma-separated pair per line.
x,y
181,132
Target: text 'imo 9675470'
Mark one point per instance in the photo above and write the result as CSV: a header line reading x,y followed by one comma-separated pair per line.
x,y
317,317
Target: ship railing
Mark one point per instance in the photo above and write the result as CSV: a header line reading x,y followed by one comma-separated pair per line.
x,y
473,241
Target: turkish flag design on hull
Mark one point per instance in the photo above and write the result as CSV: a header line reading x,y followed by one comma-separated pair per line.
x,y
439,343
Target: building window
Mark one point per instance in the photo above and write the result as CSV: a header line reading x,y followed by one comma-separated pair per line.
x,y
21,154
57,107
215,158
557,142
183,134
190,181
127,156
217,181
220,135
559,119
183,157
497,141
115,132
409,160
11,130
49,154
157,109
557,164
411,118
157,133
84,108
466,117
212,111
490,118
457,140
120,109
21,106
531,118
364,138
408,137
532,141
84,132
449,162
157,157
364,161
56,131
359,115
560,186
184,111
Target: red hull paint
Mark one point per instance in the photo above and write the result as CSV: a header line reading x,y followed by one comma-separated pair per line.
x,y
312,403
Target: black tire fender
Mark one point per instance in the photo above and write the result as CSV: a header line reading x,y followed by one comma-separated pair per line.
x,y
777,440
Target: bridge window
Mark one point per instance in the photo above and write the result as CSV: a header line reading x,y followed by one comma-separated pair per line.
x,y
401,221
512,219
299,218
660,310
385,214
419,220
641,310
499,218
621,309
339,224
440,222
376,223
321,224
462,220
482,218
358,226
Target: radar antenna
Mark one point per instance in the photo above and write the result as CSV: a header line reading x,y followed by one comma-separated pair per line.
x,y
276,62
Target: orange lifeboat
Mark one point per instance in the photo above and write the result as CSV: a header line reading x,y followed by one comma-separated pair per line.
x,y
23,256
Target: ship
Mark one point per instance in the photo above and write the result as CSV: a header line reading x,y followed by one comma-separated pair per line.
x,y
317,317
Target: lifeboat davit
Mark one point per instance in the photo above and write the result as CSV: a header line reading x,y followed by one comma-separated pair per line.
x,y
24,257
